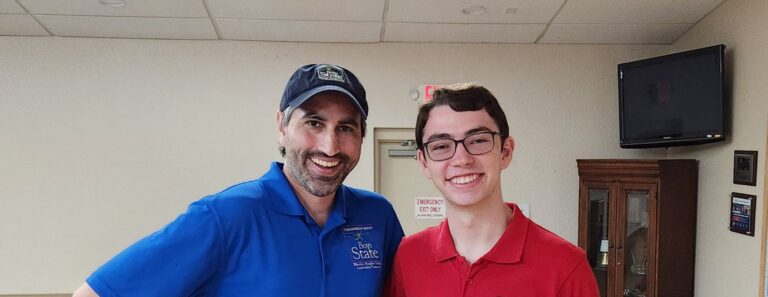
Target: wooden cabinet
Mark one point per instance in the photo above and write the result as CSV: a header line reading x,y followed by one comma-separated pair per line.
x,y
637,223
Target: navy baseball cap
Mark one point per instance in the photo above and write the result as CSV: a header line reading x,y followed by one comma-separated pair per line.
x,y
312,79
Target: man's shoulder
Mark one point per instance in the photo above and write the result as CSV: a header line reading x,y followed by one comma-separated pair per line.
x,y
363,194
365,197
246,189
548,243
420,241
240,196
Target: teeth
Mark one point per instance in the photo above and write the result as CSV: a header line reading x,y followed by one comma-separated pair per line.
x,y
464,179
324,163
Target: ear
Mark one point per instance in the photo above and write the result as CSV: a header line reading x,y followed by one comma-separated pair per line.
x,y
280,128
507,147
423,163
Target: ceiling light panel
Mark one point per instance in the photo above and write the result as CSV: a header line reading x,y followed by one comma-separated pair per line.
x,y
146,8
441,11
635,12
308,10
10,6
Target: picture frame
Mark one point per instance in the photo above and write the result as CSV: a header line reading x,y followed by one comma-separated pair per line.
x,y
742,214
745,168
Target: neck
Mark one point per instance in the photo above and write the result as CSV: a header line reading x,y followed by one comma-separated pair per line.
x,y
319,208
475,230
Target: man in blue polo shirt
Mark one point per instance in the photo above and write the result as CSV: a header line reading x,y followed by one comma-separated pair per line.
x,y
296,231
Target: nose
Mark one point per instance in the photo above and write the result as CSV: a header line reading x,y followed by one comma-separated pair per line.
x,y
329,143
462,156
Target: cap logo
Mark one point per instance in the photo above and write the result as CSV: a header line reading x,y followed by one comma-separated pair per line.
x,y
330,72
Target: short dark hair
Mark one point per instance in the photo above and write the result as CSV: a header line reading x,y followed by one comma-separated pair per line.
x,y
462,97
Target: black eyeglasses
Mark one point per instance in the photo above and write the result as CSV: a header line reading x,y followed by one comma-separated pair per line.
x,y
475,144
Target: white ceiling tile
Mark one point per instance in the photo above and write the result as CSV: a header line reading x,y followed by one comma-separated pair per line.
x,y
440,11
615,33
129,27
10,6
504,21
310,10
20,25
635,12
150,8
482,33
308,31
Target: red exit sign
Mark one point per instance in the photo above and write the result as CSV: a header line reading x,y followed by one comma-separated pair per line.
x,y
426,92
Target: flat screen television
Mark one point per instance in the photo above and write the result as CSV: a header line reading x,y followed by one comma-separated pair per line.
x,y
672,100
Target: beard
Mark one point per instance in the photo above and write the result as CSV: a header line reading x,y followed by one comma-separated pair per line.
x,y
317,185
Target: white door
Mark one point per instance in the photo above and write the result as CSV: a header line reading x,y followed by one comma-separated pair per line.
x,y
399,178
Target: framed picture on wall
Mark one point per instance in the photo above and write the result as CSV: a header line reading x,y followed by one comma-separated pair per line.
x,y
742,214
745,167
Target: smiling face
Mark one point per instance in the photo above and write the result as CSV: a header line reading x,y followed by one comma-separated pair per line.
x,y
465,180
322,141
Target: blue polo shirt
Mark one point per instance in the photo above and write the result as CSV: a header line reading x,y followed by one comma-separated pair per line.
x,y
256,239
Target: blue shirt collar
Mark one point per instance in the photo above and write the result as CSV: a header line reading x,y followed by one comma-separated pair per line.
x,y
284,198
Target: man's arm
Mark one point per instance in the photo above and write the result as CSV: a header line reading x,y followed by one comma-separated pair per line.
x,y
85,291
189,249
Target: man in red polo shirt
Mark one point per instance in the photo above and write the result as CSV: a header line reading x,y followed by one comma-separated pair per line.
x,y
485,247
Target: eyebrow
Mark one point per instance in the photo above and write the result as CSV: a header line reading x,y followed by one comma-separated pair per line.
x,y
448,136
312,115
316,116
477,130
353,120
438,136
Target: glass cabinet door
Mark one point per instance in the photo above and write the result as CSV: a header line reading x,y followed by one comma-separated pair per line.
x,y
597,235
636,244
637,215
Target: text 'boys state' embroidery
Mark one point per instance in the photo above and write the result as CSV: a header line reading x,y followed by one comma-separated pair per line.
x,y
364,252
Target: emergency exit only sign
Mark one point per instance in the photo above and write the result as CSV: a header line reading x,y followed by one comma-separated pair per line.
x,y
430,208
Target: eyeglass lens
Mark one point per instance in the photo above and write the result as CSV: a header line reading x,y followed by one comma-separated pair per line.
x,y
475,144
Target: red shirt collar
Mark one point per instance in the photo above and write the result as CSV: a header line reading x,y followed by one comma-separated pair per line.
x,y
509,248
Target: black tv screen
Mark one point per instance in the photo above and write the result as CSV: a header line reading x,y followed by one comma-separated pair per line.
x,y
672,100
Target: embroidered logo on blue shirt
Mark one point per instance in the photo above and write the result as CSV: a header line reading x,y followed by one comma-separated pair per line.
x,y
365,253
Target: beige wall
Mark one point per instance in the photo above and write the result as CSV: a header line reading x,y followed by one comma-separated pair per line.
x,y
726,262
106,140
103,141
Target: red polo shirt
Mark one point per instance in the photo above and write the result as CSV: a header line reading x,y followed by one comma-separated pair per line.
x,y
528,260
